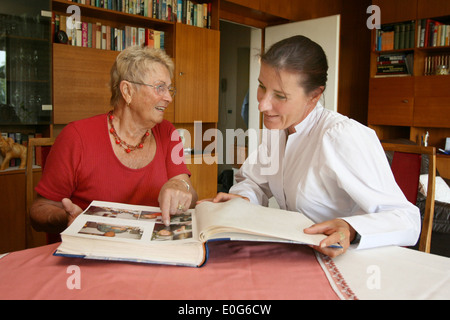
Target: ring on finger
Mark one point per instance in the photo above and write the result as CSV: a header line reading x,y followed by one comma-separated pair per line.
x,y
342,236
180,207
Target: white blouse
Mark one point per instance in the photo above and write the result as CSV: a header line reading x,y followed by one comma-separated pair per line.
x,y
332,167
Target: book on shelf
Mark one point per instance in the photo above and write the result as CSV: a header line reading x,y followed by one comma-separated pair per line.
x,y
182,11
395,37
100,36
437,65
394,64
433,33
122,232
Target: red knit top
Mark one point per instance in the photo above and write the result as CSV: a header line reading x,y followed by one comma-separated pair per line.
x,y
82,166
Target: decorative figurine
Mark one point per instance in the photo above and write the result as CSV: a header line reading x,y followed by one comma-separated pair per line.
x,y
11,150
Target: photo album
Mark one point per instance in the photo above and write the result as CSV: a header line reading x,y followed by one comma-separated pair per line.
x,y
122,232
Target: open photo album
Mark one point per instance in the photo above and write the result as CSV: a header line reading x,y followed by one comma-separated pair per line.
x,y
122,232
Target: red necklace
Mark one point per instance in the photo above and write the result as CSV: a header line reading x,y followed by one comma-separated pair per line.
x,y
128,148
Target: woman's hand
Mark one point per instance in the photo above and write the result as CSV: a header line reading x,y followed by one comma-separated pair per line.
x,y
175,197
53,216
72,210
223,197
338,231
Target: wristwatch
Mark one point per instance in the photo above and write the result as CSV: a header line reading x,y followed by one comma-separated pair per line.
x,y
357,239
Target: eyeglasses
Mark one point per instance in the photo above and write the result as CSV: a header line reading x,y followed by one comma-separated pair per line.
x,y
160,89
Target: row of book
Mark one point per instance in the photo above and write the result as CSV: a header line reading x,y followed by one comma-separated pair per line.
x,y
437,65
22,138
100,36
432,33
182,11
402,65
394,64
395,37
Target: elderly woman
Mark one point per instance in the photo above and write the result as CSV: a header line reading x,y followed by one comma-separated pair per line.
x,y
123,156
324,165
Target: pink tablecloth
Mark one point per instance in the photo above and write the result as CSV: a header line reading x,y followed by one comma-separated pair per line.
x,y
235,270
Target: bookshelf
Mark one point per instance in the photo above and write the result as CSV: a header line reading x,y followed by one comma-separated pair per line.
x,y
95,96
81,91
408,88
77,78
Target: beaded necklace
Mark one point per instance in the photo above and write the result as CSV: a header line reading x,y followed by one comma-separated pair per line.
x,y
128,148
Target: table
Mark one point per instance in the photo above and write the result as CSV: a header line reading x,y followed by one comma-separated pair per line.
x,y
390,273
234,271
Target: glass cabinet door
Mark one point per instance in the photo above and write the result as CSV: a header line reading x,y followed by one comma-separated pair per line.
x,y
25,62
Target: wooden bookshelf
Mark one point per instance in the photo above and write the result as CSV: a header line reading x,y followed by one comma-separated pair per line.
x,y
80,89
121,18
197,90
408,106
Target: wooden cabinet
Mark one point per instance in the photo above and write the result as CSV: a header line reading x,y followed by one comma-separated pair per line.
x,y
80,82
203,168
12,216
432,104
256,13
411,106
197,74
81,75
391,101
13,227
432,8
25,102
398,10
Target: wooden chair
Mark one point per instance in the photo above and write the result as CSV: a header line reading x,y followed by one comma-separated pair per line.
x,y
406,164
41,147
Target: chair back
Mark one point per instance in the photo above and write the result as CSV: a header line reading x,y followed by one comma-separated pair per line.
x,y
41,148
406,164
406,169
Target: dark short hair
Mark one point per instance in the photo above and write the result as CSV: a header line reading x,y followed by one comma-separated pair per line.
x,y
301,55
